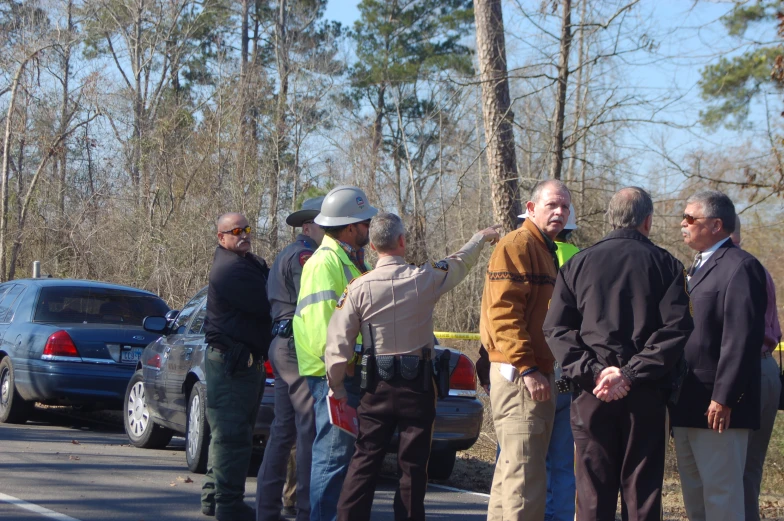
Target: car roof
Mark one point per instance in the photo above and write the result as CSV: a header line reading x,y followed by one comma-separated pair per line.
x,y
79,283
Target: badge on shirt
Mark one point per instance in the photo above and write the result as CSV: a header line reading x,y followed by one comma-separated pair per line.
x,y
342,298
250,359
304,256
441,265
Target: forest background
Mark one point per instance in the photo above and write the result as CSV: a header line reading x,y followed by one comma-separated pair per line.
x,y
129,125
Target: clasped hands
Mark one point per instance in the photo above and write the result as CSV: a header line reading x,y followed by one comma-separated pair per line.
x,y
611,385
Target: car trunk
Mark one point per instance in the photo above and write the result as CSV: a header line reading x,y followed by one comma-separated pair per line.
x,y
107,343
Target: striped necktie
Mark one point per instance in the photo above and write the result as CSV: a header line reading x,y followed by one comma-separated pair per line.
x,y
694,265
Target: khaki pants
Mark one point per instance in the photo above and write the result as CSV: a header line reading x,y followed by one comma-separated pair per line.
x,y
758,440
711,469
523,427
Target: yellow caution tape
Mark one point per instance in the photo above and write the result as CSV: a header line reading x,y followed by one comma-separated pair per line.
x,y
456,336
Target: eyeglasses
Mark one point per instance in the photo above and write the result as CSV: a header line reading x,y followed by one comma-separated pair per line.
x,y
690,218
238,231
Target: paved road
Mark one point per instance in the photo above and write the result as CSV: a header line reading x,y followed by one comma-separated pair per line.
x,y
102,478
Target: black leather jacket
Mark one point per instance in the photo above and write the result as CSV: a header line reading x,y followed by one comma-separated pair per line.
x,y
237,305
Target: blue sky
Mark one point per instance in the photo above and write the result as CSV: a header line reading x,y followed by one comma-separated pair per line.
x,y
688,36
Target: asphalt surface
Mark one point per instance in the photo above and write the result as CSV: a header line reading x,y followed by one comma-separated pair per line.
x,y
58,467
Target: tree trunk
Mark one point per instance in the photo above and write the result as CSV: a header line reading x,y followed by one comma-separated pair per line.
x,y
557,148
499,133
281,142
62,160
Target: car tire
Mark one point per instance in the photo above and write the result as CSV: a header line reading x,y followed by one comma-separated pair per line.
x,y
142,431
197,433
13,409
441,464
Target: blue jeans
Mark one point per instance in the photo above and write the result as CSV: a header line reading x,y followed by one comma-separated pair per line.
x,y
332,452
560,465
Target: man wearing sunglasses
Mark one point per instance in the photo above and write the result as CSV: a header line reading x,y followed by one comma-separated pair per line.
x,y
293,402
237,331
720,400
345,217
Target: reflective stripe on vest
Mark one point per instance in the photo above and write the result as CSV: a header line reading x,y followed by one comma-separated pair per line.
x,y
319,296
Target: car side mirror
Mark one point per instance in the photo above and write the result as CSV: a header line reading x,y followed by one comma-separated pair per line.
x,y
172,314
155,324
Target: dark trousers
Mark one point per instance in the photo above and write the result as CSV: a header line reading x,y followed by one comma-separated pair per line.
x,y
620,445
397,404
232,405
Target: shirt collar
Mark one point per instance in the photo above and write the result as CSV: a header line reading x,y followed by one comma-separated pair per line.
x,y
389,260
307,240
356,255
713,248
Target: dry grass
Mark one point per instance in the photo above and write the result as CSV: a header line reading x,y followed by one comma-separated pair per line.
x,y
474,467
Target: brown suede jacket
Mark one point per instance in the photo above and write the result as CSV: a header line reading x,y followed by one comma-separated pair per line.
x,y
519,283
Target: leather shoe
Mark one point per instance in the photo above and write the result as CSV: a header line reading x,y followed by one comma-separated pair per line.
x,y
208,510
243,512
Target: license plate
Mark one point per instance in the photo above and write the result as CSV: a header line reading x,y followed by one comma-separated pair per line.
x,y
130,354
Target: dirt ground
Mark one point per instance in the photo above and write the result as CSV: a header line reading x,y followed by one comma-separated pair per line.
x,y
474,467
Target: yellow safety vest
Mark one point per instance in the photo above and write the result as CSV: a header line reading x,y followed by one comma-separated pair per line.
x,y
565,252
324,277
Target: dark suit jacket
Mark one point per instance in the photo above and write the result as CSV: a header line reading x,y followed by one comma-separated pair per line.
x,y
723,353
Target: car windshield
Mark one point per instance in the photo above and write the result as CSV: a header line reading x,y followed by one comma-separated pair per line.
x,y
96,305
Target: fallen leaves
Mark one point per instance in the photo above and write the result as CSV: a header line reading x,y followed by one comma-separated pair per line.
x,y
73,458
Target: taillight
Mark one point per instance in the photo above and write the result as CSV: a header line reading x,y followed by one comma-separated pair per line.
x,y
268,369
154,361
463,377
60,346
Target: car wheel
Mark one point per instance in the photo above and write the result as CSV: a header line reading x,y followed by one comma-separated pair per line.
x,y
12,408
441,464
197,435
140,428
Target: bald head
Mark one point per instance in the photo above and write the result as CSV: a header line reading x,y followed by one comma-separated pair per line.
x,y
631,208
229,223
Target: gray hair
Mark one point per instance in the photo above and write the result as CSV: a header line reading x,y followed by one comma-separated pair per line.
x,y
385,229
716,205
555,184
629,208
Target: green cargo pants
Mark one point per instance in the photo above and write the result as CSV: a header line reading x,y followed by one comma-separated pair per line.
x,y
232,404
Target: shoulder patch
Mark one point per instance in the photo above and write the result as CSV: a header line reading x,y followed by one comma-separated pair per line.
x,y
304,256
342,299
441,265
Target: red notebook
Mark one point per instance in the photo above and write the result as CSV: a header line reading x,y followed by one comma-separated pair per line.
x,y
344,417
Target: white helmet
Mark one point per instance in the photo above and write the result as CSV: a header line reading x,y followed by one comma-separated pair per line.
x,y
344,205
571,222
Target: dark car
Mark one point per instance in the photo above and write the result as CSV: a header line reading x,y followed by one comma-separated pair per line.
x,y
71,342
167,396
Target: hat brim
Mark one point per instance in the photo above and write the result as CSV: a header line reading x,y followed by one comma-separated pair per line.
x,y
323,220
298,218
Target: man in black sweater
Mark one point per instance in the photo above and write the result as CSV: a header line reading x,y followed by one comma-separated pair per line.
x,y
238,331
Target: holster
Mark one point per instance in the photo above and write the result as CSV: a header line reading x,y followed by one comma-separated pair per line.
x,y
443,373
283,328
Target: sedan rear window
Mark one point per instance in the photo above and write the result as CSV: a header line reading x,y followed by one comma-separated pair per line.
x,y
96,306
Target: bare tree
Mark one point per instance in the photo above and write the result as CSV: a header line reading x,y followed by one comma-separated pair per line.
x,y
498,116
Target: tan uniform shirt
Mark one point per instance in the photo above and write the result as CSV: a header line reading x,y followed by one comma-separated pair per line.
x,y
397,299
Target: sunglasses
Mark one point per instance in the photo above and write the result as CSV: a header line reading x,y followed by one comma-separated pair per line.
x,y
238,231
690,218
